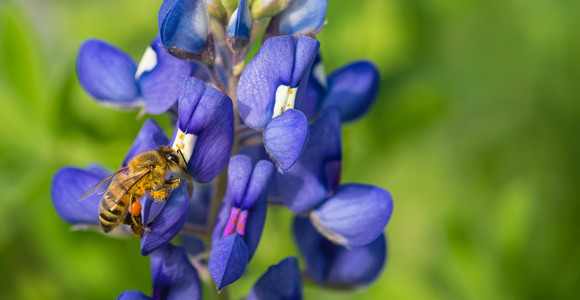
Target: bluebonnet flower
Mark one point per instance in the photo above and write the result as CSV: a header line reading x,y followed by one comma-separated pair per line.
x,y
270,95
333,265
239,26
350,214
300,17
240,221
173,277
113,78
281,281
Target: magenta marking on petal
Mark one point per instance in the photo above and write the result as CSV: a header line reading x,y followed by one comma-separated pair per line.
x,y
242,223
232,222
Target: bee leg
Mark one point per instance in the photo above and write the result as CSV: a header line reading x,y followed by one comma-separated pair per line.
x,y
163,193
172,183
160,195
134,218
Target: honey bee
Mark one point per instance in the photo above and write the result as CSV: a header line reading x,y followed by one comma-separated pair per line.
x,y
144,173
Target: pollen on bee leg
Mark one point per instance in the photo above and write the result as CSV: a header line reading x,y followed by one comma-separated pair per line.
x,y
136,208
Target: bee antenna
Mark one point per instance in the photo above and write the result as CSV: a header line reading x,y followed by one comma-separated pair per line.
x,y
181,153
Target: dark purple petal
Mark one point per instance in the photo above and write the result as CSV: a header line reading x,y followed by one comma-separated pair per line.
x,y
150,137
213,123
301,17
192,244
305,184
108,74
315,90
68,184
256,195
285,137
358,266
228,260
158,75
200,205
167,224
221,221
185,29
259,183
173,275
353,89
239,173
355,215
133,295
271,67
317,251
280,282
239,26
306,49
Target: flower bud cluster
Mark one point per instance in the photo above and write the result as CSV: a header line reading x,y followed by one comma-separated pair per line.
x,y
271,127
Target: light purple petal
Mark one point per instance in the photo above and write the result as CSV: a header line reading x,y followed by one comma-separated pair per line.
x,y
280,282
107,74
68,184
150,137
285,137
271,67
173,275
240,26
353,89
167,224
228,260
355,215
259,183
239,173
133,295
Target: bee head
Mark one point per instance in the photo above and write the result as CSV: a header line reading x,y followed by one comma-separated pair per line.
x,y
174,158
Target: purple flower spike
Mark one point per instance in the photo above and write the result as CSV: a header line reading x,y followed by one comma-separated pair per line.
x,y
173,276
240,26
353,89
108,74
185,29
316,173
166,224
280,282
355,215
205,130
301,17
241,218
68,184
274,84
336,266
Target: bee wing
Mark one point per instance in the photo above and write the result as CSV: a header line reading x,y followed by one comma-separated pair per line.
x,y
134,179
102,185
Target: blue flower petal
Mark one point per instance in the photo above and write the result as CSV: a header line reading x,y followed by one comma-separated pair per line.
x,y
353,89
133,295
163,10
240,25
68,184
167,224
256,203
271,67
158,76
185,29
259,183
317,251
239,173
173,275
280,282
200,204
190,92
228,260
301,17
285,137
358,266
355,215
315,90
150,137
108,74
306,50
192,244
314,176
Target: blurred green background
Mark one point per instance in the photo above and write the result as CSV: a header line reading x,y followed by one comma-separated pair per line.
x,y
475,133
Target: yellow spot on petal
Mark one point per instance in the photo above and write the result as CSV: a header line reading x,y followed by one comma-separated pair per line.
x,y
288,105
240,227
181,136
290,91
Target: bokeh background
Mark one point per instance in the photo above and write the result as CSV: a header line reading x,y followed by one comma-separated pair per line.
x,y
475,133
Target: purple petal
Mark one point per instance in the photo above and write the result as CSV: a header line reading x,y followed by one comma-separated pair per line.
x,y
163,10
353,89
315,90
312,178
358,266
228,260
259,183
185,29
281,281
301,17
158,76
285,137
167,224
317,251
133,295
271,67
68,184
173,275
256,196
306,52
192,244
200,205
355,215
150,137
190,92
239,172
108,74
213,119
239,26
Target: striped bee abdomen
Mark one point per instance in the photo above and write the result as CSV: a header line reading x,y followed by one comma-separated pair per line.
x,y
114,204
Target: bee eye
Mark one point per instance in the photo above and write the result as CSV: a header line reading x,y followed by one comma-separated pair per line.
x,y
172,157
